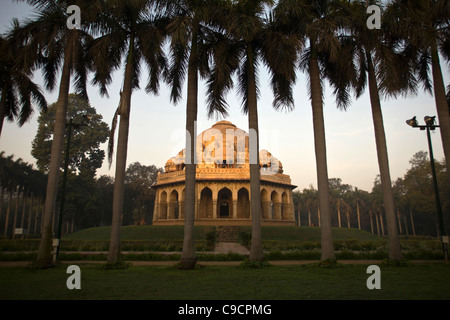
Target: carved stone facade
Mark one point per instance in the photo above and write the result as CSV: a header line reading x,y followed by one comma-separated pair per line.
x,y
223,184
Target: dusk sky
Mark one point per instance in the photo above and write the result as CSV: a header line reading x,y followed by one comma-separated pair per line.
x,y
157,127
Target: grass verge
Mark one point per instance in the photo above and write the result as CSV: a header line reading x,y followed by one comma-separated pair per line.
x,y
301,282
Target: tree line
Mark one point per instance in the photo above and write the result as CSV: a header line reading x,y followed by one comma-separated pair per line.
x,y
355,208
88,199
226,43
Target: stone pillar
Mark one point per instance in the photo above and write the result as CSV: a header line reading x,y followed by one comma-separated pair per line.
x,y
265,208
285,211
235,203
156,211
277,210
214,200
171,210
181,210
162,211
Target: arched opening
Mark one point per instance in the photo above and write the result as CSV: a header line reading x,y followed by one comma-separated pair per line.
x,y
173,205
275,205
243,205
206,204
224,210
224,203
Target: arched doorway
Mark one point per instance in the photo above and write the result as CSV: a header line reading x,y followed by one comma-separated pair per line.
x,y
243,205
225,203
206,204
173,205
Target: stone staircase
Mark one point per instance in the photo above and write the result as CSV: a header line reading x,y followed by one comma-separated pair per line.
x,y
227,233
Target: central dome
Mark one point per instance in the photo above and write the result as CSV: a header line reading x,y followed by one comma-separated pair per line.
x,y
222,146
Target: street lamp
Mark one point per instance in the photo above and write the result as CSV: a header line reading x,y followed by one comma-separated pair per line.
x,y
430,125
70,125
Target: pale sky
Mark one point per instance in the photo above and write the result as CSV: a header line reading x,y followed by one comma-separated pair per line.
x,y
157,127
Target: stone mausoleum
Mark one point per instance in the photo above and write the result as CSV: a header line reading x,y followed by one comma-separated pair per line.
x,y
223,183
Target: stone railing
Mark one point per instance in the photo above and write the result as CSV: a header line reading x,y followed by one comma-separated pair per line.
x,y
221,174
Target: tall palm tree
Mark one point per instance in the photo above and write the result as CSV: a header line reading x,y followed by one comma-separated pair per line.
x,y
384,72
317,22
62,48
251,37
187,30
127,29
17,90
422,28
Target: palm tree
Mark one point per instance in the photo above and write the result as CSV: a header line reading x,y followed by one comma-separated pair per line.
x,y
127,29
63,48
422,29
17,90
383,71
187,30
318,23
249,39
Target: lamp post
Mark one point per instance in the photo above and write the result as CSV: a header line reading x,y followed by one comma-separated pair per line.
x,y
430,126
70,125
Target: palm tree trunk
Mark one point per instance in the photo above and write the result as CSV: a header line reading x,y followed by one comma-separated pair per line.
x,y
2,109
30,214
16,210
44,256
309,217
339,213
359,217
256,250
188,256
327,247
371,221
1,202
383,163
377,222
441,105
121,158
24,206
7,213
412,221
380,213
399,222
347,214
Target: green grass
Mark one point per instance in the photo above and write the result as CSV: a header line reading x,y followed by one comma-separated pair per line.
x,y
418,282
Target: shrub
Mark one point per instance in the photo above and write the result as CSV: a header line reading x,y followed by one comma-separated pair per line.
x,y
245,238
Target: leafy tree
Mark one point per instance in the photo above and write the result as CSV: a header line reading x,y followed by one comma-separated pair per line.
x,y
86,155
139,196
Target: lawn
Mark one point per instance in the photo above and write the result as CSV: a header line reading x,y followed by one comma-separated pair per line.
x,y
420,281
